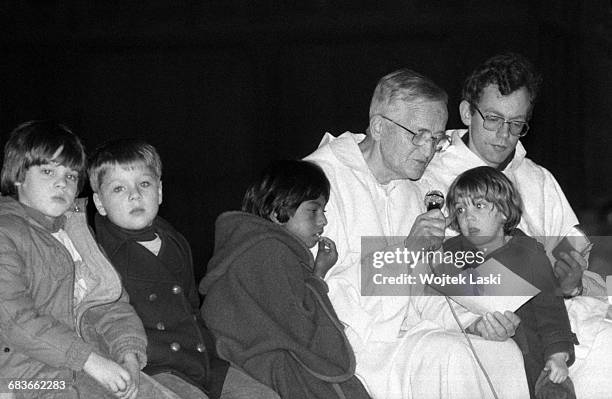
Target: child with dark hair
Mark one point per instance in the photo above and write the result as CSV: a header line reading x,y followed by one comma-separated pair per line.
x,y
485,208
156,265
266,301
67,328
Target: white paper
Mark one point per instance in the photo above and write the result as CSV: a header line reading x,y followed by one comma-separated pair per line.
x,y
497,297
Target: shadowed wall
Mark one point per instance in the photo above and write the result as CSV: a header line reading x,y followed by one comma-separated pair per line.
x,y
223,87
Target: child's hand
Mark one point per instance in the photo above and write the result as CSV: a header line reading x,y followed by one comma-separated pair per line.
x,y
130,363
496,326
558,367
109,374
326,257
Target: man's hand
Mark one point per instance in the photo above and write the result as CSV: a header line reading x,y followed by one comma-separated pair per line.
x,y
569,270
109,374
130,363
496,326
327,256
427,232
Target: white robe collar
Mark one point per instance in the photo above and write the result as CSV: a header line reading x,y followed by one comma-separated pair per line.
x,y
459,149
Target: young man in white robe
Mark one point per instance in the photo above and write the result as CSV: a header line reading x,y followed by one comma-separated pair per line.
x,y
405,346
498,100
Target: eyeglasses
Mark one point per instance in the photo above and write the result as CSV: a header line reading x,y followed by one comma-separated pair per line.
x,y
495,122
418,139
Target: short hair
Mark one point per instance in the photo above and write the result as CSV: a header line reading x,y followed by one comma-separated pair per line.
x,y
35,143
283,186
509,71
493,186
122,152
404,85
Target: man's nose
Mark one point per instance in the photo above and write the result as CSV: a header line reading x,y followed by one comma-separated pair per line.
x,y
428,145
504,130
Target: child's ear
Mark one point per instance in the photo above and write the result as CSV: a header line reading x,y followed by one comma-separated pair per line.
x,y
274,217
159,193
98,203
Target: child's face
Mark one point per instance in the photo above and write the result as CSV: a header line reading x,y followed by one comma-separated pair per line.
x,y
49,188
129,195
480,222
308,221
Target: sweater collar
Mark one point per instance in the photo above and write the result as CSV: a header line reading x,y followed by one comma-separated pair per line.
x,y
146,234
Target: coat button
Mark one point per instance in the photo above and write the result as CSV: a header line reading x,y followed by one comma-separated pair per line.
x,y
201,348
152,297
177,289
160,326
175,346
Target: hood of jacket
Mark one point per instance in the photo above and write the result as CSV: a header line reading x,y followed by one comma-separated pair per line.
x,y
237,232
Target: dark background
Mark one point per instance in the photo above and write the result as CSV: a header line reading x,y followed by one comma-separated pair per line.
x,y
221,87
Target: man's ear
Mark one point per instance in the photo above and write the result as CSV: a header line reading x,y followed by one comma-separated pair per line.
x,y
376,127
159,193
98,203
465,112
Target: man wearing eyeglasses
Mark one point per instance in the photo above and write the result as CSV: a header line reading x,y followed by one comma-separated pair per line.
x,y
498,99
407,345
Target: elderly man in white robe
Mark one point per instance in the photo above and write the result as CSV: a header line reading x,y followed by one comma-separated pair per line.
x,y
498,99
406,346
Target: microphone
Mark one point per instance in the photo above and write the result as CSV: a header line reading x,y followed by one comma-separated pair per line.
x,y
434,199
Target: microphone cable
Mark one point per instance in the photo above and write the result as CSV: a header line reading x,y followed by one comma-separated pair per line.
x,y
466,335
434,199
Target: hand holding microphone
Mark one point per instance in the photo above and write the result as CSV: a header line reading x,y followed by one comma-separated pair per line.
x,y
434,199
427,232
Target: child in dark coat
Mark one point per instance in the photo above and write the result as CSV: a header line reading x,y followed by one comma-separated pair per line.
x,y
266,300
156,265
485,208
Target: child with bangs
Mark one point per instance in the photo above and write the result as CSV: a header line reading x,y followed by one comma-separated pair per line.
x,y
485,208
67,328
266,301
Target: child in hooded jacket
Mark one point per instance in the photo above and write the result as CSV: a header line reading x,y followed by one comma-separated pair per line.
x,y
266,301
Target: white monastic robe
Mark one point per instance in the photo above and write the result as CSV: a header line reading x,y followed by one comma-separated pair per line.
x,y
405,346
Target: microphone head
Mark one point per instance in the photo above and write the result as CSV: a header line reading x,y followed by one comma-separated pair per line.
x,y
434,199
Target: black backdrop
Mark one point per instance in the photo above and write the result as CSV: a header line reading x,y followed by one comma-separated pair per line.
x,y
221,87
